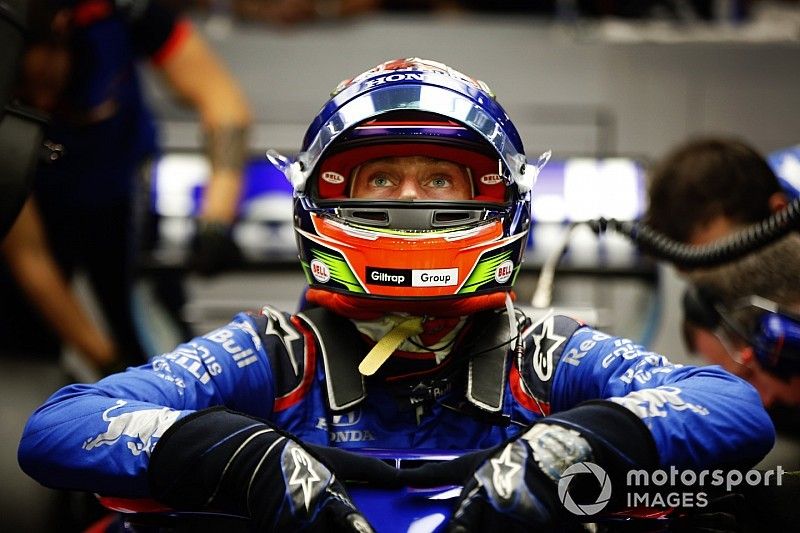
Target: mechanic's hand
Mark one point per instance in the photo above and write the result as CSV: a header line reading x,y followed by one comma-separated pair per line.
x,y
515,489
213,249
219,459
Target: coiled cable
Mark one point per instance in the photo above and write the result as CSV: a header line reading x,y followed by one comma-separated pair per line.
x,y
718,252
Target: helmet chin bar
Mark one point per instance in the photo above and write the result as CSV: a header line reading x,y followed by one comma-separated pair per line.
x,y
415,215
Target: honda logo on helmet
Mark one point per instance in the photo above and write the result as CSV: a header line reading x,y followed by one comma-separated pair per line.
x,y
399,76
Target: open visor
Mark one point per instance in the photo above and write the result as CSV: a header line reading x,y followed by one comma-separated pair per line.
x,y
335,177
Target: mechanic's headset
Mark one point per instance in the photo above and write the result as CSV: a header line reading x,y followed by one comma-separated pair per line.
x,y
775,340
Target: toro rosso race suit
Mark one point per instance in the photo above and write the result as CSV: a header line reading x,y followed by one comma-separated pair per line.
x,y
299,373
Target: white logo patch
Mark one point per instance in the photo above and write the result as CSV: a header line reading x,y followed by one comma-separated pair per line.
x,y
320,271
546,342
332,177
303,474
440,277
491,179
649,403
504,271
504,469
279,326
143,426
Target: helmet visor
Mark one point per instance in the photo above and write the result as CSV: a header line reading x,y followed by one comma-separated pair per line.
x,y
410,171
445,102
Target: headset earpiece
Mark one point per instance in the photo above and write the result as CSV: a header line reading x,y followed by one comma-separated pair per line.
x,y
777,343
698,308
775,340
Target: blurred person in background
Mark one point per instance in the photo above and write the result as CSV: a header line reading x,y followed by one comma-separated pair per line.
x,y
745,316
80,67
741,315
708,187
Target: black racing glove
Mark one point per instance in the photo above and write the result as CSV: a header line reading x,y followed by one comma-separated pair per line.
x,y
213,249
221,460
516,489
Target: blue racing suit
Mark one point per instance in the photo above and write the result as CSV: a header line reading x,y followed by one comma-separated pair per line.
x,y
298,372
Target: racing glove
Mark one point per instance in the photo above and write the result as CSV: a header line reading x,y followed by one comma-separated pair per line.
x,y
221,460
517,487
213,249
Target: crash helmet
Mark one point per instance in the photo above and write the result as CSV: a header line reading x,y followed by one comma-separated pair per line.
x,y
427,257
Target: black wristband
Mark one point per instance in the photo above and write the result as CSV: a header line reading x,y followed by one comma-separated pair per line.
x,y
189,460
619,439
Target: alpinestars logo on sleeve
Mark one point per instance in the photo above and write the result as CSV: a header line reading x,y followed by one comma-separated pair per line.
x,y
546,342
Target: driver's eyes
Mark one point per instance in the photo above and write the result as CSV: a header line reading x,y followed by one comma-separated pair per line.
x,y
439,181
381,180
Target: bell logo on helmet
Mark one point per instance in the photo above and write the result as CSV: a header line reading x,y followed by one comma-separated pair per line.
x,y
320,271
504,271
332,177
491,179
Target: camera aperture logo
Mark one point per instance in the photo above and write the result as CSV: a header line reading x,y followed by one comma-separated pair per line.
x,y
564,482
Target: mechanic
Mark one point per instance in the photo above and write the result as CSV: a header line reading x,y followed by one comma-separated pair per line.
x,y
412,209
742,315
80,66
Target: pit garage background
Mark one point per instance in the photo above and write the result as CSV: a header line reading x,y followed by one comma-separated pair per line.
x,y
607,97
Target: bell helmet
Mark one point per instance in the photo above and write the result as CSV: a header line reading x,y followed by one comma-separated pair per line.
x,y
364,257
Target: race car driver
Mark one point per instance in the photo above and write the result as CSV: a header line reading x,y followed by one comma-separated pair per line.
x,y
411,208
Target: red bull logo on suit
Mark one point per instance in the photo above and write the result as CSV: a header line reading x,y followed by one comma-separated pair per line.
x,y
141,426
